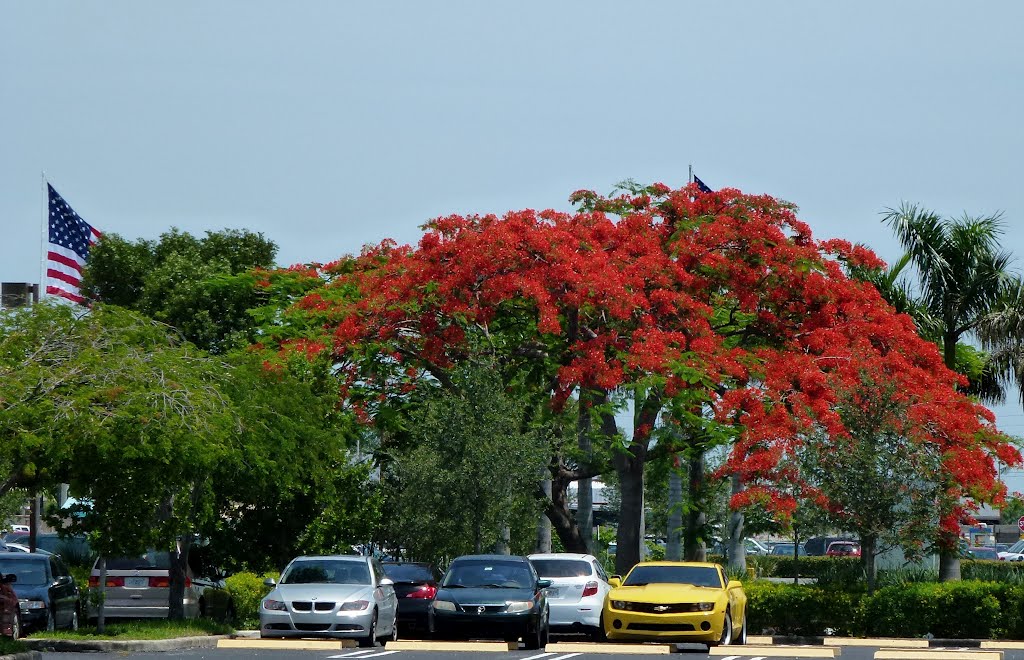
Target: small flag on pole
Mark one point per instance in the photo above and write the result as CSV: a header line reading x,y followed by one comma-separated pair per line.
x,y
67,248
701,186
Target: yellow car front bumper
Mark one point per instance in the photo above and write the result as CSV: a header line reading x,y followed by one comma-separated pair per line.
x,y
689,626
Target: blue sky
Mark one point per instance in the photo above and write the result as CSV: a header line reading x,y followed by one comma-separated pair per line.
x,y
327,124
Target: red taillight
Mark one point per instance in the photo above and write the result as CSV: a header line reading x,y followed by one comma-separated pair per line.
x,y
94,581
426,591
590,589
160,582
114,581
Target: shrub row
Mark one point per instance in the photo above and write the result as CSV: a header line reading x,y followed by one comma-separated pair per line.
x,y
967,609
846,569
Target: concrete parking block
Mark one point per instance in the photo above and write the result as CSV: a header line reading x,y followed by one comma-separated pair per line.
x,y
925,654
451,647
288,644
994,644
778,651
621,648
880,643
759,639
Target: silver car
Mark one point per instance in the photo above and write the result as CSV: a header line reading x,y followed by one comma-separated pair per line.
x,y
576,595
334,596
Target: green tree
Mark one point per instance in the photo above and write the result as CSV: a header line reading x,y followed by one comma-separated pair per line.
x,y
963,280
201,286
471,472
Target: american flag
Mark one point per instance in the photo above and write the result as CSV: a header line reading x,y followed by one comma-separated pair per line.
x,y
67,250
701,186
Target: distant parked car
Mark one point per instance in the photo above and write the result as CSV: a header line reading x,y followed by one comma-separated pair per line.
x,y
10,612
786,550
17,547
817,546
843,549
415,587
139,588
576,595
68,546
1014,553
979,552
492,596
332,596
46,591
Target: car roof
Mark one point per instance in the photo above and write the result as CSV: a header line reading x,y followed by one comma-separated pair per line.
x,y
561,555
491,558
24,556
342,557
704,564
395,562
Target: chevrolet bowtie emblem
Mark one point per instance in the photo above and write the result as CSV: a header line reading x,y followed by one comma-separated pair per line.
x,y
661,608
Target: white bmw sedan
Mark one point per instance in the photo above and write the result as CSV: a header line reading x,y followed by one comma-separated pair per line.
x,y
576,595
334,596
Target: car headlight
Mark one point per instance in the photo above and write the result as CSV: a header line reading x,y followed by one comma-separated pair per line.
x,y
354,605
621,605
705,607
520,606
444,605
32,604
270,604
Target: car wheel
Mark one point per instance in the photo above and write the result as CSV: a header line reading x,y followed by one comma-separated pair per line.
x,y
371,637
229,613
74,619
51,621
726,638
393,637
535,640
16,627
742,639
597,634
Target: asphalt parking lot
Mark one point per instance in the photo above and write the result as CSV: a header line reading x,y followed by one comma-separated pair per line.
x,y
567,650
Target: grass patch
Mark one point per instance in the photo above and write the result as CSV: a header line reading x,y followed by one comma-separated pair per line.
x,y
9,647
142,629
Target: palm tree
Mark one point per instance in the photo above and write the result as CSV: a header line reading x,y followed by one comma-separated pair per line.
x,y
963,282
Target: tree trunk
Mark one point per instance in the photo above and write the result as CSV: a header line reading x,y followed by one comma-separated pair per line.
x,y
501,546
584,487
949,565
543,523
628,539
868,544
695,549
101,615
178,573
736,550
796,557
564,524
673,546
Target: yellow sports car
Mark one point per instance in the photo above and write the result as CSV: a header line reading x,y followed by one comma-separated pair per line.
x,y
683,601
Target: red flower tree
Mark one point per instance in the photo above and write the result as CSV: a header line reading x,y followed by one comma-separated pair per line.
x,y
712,310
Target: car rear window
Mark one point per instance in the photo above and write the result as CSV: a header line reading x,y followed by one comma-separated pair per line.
x,y
701,576
408,572
561,568
147,562
28,572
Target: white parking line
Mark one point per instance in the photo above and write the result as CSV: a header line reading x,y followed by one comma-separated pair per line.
x,y
729,657
361,654
563,657
539,655
758,657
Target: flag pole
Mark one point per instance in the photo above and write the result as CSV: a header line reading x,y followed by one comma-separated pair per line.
x,y
691,173
43,239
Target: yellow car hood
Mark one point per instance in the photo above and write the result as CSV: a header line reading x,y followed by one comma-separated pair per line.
x,y
665,593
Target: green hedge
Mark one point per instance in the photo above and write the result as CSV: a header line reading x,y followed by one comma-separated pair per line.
x,y
247,591
967,610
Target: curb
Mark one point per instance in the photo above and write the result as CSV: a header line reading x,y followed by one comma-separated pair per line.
x,y
26,655
115,645
818,640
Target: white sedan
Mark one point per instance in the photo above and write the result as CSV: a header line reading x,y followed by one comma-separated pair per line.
x,y
576,595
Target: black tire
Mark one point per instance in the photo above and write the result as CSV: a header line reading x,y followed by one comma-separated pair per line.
x,y
393,637
598,634
16,631
229,613
51,621
370,641
726,638
742,639
534,640
74,619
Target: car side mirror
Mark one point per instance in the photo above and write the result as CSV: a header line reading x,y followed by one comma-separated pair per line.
x,y
386,582
734,584
270,582
615,580
543,584
10,578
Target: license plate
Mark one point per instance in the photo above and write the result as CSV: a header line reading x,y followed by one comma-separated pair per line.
x,y
136,582
552,593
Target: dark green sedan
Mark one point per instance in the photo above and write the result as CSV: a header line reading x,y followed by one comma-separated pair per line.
x,y
491,596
